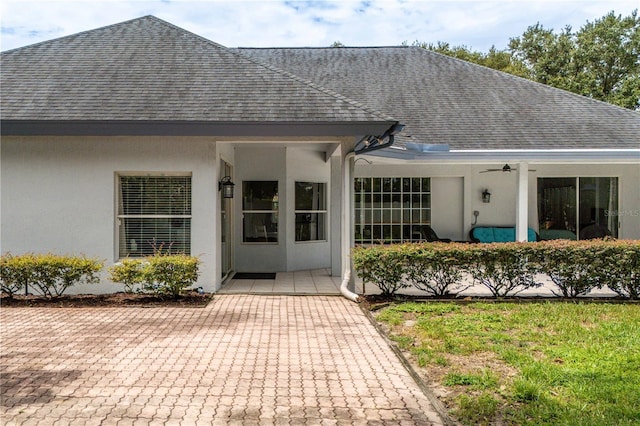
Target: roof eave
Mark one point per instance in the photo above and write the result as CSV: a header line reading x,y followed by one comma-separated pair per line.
x,y
191,128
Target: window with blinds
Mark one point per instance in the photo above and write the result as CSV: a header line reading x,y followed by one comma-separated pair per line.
x,y
154,213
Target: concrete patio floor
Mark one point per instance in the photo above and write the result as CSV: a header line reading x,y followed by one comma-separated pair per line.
x,y
320,282
243,359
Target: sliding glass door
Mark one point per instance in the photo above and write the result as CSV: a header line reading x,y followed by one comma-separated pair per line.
x,y
578,208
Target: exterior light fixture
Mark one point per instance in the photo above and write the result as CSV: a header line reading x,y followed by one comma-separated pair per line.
x,y
226,186
486,196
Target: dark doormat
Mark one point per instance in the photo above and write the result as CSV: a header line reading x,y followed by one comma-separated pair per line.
x,y
254,276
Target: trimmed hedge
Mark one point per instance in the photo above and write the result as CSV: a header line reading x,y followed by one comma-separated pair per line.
x,y
162,274
575,267
438,268
621,267
506,269
384,266
47,274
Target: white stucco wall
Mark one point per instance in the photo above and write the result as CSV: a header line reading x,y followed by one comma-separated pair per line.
x,y
260,164
59,194
286,165
306,165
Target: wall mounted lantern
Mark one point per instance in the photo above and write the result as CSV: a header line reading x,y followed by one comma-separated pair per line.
x,y
486,196
226,186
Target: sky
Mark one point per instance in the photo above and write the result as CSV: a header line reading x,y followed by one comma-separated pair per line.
x,y
476,24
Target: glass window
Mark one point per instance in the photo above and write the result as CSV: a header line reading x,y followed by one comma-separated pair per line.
x,y
260,211
577,208
391,210
311,211
154,214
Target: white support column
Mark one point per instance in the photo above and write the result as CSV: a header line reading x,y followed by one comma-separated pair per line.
x,y
347,212
336,216
522,206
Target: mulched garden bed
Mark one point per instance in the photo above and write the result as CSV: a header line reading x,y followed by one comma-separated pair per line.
x,y
187,300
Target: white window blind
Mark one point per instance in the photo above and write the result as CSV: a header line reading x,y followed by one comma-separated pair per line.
x,y
154,213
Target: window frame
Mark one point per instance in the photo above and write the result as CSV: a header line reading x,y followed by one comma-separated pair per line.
x,y
323,212
388,208
273,211
120,217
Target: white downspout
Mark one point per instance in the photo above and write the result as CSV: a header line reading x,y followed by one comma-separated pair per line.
x,y
344,287
346,228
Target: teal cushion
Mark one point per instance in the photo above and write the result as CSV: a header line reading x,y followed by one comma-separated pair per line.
x,y
503,235
490,234
484,235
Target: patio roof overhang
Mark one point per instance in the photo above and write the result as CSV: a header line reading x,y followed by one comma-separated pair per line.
x,y
440,154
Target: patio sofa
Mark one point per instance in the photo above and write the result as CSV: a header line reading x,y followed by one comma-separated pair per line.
x,y
498,234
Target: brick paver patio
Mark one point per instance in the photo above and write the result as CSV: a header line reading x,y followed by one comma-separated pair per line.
x,y
241,360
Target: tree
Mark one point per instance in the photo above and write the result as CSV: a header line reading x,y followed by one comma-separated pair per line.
x,y
609,49
497,59
601,60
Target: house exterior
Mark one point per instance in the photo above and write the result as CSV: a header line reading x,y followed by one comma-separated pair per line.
x,y
117,142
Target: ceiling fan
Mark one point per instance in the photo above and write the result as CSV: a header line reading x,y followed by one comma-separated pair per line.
x,y
505,168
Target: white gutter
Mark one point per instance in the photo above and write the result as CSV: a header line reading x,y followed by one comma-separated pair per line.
x,y
587,156
346,229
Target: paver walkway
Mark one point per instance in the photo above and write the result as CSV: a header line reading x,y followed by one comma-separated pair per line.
x,y
242,360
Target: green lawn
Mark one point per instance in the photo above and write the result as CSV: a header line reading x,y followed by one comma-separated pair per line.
x,y
527,363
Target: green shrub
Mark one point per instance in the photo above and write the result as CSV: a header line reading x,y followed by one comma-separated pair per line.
x,y
506,269
129,272
573,266
577,267
48,274
619,267
170,274
383,266
15,273
162,274
437,268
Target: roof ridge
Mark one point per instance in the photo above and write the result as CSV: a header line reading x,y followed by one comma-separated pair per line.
x,y
320,47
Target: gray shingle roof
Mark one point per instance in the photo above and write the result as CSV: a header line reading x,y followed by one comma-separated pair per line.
x,y
442,100
148,69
